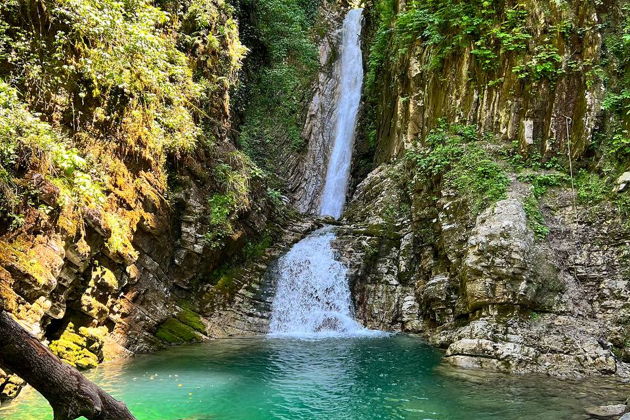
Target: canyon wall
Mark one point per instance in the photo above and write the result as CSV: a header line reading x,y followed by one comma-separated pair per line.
x,y
531,72
122,193
494,220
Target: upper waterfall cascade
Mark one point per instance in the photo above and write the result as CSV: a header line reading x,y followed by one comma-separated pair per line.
x,y
312,296
351,78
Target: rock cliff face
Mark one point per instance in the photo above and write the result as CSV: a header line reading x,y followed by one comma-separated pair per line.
x,y
529,74
93,306
307,178
532,276
484,288
108,232
307,171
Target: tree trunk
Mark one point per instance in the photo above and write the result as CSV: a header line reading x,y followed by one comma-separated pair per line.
x,y
70,394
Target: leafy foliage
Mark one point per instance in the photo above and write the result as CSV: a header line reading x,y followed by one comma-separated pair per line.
x,y
542,182
109,91
281,73
449,26
226,206
591,188
454,156
545,63
26,142
617,47
535,218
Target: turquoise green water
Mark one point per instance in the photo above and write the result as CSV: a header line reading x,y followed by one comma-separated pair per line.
x,y
360,378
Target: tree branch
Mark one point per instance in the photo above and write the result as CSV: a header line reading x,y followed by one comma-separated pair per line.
x,y
70,394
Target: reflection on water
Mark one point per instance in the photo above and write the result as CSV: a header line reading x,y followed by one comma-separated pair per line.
x,y
358,378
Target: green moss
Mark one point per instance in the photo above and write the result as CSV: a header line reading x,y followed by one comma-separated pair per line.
x,y
174,331
100,97
21,255
103,276
192,319
92,307
535,218
225,284
168,337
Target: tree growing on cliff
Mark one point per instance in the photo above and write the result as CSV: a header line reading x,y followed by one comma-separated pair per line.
x,y
70,394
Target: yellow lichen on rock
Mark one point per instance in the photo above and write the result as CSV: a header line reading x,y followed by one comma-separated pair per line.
x,y
73,348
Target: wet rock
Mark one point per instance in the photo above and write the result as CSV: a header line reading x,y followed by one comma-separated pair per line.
x,y
437,298
306,179
244,307
606,411
486,289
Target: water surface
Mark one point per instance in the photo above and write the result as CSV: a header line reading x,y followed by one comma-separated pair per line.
x,y
334,378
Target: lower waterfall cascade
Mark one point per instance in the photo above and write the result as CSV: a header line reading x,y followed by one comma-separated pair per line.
x,y
313,297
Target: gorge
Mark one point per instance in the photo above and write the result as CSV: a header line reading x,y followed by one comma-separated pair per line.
x,y
380,210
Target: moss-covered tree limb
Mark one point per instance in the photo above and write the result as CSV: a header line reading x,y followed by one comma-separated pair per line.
x,y
70,394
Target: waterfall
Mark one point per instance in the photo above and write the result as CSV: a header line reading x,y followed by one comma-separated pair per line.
x,y
312,294
336,187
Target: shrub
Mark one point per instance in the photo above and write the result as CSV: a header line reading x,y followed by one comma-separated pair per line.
x,y
591,188
535,218
281,75
453,155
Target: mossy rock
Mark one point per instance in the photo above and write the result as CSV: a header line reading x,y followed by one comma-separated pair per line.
x,y
93,308
192,319
72,348
173,331
104,278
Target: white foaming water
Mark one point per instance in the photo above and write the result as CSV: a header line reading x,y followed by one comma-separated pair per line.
x,y
312,296
336,186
